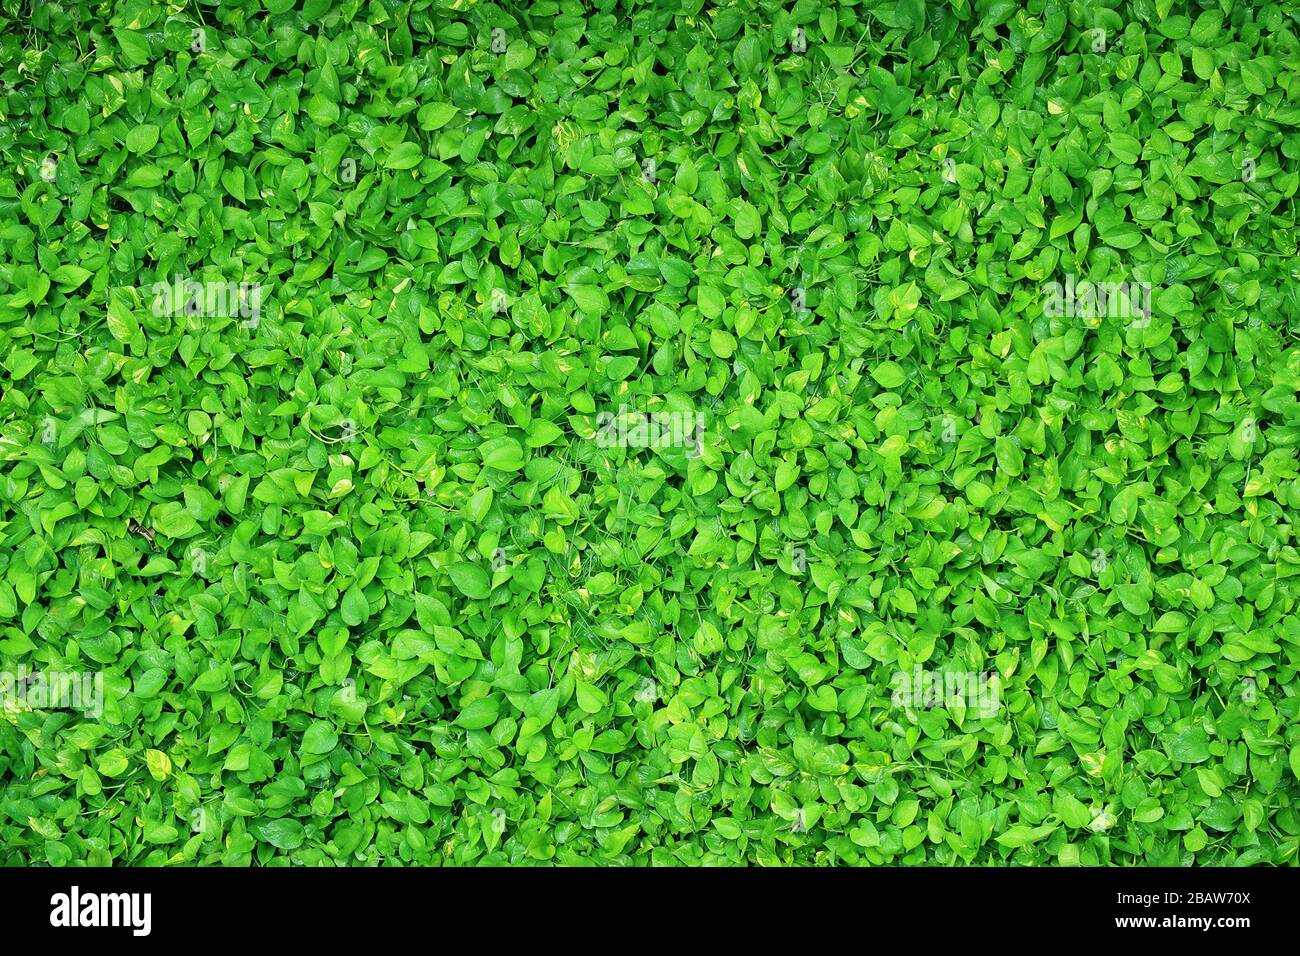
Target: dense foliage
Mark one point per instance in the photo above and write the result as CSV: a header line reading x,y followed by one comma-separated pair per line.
x,y
454,433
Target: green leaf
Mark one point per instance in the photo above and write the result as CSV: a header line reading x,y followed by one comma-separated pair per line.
x,y
481,713
889,374
503,454
405,156
471,580
354,606
141,139
283,834
1191,745
320,738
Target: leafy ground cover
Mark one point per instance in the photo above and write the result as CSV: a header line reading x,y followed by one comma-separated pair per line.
x,y
842,433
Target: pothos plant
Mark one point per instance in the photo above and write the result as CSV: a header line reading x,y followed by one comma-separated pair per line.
x,y
827,432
